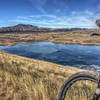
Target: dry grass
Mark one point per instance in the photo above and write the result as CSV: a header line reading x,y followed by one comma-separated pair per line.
x,y
28,79
83,38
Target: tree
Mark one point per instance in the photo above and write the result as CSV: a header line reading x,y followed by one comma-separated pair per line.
x,y
98,22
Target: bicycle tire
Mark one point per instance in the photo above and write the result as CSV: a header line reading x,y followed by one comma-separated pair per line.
x,y
72,79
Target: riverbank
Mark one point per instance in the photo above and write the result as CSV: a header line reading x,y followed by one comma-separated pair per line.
x,y
63,38
26,79
79,56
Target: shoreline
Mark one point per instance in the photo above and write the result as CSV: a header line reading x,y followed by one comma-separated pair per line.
x,y
58,38
13,44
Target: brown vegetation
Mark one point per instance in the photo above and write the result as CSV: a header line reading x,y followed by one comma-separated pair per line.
x,y
28,79
76,37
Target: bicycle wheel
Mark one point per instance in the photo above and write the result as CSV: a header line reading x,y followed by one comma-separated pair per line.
x,y
73,79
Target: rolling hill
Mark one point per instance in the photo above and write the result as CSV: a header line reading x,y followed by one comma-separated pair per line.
x,y
26,28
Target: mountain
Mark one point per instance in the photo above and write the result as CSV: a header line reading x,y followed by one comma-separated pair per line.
x,y
19,28
25,28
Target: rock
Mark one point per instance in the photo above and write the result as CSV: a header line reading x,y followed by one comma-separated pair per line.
x,y
95,34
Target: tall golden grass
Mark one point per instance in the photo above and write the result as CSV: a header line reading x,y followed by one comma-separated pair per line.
x,y
29,79
78,37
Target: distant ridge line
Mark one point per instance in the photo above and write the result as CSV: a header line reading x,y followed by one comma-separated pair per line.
x,y
27,28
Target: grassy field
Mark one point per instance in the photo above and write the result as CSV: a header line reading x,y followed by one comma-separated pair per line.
x,y
29,79
83,38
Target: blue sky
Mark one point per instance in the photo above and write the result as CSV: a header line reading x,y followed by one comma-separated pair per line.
x,y
50,13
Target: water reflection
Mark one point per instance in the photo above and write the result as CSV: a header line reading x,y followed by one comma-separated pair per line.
x,y
86,57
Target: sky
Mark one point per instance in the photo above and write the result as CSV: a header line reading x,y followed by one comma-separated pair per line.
x,y
50,13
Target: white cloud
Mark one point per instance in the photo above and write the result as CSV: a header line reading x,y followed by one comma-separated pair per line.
x,y
84,19
39,5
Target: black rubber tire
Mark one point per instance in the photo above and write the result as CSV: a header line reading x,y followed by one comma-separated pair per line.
x,y
72,79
